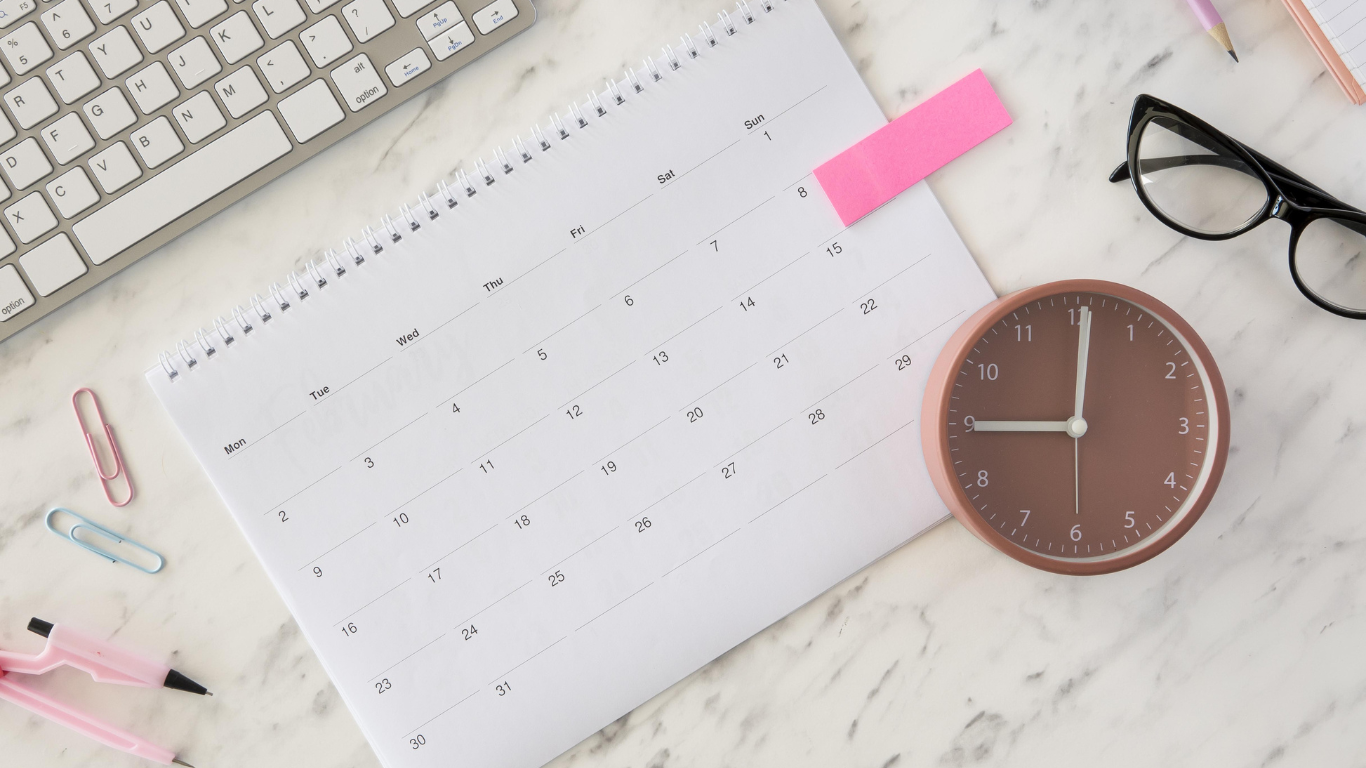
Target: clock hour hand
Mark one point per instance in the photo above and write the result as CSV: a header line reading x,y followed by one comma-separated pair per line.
x,y
1019,426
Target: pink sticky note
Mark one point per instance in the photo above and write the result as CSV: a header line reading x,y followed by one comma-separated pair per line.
x,y
912,147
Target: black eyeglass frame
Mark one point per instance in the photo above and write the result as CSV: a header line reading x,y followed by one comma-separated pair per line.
x,y
1289,196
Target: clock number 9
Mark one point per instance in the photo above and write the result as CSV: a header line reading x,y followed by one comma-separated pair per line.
x,y
968,421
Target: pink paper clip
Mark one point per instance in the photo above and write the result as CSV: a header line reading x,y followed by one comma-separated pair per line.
x,y
119,469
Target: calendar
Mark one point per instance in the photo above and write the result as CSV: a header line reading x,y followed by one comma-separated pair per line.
x,y
575,424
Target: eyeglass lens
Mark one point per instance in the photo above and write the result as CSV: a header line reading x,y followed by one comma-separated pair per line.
x,y
1194,180
1330,258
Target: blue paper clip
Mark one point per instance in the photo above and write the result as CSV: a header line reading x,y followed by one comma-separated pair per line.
x,y
100,530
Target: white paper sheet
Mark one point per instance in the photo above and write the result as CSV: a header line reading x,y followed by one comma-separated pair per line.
x,y
1344,24
603,421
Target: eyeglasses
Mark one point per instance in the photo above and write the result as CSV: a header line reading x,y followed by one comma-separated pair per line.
x,y
1203,183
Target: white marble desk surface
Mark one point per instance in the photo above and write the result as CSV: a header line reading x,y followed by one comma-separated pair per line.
x,y
1240,646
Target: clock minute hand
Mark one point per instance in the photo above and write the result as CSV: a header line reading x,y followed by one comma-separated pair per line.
x,y
1083,351
1019,426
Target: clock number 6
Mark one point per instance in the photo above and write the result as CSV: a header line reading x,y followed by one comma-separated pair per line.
x,y
1076,532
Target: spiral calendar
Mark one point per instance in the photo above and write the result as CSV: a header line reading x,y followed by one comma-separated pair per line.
x,y
575,423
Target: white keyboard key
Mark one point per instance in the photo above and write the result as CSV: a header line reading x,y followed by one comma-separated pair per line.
x,y
114,167
67,23
109,113
447,44
30,218
157,142
283,66
318,6
408,67
25,48
201,12
73,77
240,92
358,82
72,192
199,117
494,15
367,18
194,63
14,295
108,10
310,111
407,8
52,264
67,138
326,41
434,23
25,163
115,52
152,87
30,103
158,26
177,190
12,11
278,16
236,37
6,133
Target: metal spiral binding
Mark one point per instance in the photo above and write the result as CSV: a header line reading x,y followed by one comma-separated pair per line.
x,y
352,253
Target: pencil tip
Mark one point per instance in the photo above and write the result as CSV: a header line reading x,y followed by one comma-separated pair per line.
x,y
178,761
1234,55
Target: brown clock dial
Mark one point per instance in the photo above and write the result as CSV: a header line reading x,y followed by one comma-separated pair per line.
x,y
1080,427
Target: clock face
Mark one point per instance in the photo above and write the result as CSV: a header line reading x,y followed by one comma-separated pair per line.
x,y
1082,428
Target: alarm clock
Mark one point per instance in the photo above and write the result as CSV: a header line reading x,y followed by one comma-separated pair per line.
x,y
1080,427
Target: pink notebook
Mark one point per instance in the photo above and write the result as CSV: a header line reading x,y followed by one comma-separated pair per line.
x,y
1337,30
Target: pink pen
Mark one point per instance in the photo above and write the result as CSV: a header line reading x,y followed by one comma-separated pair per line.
x,y
104,662
1213,23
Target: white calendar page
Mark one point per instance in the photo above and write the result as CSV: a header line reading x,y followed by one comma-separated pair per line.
x,y
604,420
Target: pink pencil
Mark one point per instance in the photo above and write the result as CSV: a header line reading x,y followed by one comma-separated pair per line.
x,y
1213,23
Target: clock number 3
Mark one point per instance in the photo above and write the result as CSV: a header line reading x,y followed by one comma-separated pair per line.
x,y
1185,425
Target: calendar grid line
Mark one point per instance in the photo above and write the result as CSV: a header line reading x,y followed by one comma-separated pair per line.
x,y
609,610
837,389
632,440
893,277
433,331
519,666
561,328
651,272
540,264
603,225
439,714
391,434
457,549
262,438
510,439
781,347
420,495
773,119
656,502
391,667
363,375
752,442
702,552
718,386
476,381
874,445
789,498
595,386
580,549
684,174
480,612
306,487
737,218
685,330
372,602
542,496
775,274
343,541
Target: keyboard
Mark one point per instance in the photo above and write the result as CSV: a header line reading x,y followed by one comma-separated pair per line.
x,y
126,122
